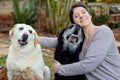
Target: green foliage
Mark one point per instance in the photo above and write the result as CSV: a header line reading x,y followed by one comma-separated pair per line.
x,y
91,0
26,14
117,1
99,20
118,23
58,14
3,61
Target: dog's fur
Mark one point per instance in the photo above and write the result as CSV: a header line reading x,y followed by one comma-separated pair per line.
x,y
69,46
27,74
25,52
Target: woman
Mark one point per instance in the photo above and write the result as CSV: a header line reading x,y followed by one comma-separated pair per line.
x,y
99,59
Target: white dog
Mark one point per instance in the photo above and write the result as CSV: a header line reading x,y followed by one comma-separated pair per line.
x,y
25,51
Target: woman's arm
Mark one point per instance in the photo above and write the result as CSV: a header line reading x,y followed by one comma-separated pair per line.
x,y
96,52
48,42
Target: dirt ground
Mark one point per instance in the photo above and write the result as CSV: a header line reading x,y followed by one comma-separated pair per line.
x,y
4,44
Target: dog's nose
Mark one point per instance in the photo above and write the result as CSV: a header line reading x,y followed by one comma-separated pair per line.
x,y
25,36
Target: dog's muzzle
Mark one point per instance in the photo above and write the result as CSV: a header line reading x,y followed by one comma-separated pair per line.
x,y
72,38
23,41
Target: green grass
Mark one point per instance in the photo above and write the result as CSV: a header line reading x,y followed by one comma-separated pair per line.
x,y
3,61
48,61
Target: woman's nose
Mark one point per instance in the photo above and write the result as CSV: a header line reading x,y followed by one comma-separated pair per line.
x,y
80,16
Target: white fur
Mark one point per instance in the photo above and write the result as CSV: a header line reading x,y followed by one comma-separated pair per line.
x,y
29,55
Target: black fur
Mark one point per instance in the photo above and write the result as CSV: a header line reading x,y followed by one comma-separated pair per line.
x,y
63,52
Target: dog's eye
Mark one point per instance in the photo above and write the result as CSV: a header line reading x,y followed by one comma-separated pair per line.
x,y
30,31
21,28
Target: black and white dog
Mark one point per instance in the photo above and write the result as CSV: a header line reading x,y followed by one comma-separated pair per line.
x,y
69,46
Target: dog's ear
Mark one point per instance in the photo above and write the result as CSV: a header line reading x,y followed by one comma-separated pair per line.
x,y
11,31
36,40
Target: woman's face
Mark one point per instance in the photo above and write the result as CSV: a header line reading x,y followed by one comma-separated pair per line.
x,y
81,16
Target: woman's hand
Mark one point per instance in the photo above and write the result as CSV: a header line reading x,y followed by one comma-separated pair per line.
x,y
56,66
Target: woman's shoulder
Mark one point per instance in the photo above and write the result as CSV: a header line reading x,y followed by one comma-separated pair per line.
x,y
104,29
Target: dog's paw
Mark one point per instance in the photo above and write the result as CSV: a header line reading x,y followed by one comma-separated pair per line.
x,y
27,74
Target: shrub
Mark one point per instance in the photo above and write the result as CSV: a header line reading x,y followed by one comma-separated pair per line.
x,y
99,20
26,14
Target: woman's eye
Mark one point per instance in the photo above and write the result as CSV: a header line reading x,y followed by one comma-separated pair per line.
x,y
83,12
76,16
21,28
30,31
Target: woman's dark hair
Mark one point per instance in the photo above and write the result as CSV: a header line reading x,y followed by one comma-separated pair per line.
x,y
76,4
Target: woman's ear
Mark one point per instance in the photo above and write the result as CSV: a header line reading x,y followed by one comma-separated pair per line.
x,y
36,40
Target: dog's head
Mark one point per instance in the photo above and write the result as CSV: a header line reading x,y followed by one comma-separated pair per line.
x,y
73,37
23,34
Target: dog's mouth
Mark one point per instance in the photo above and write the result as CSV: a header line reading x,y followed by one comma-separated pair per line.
x,y
23,41
72,38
